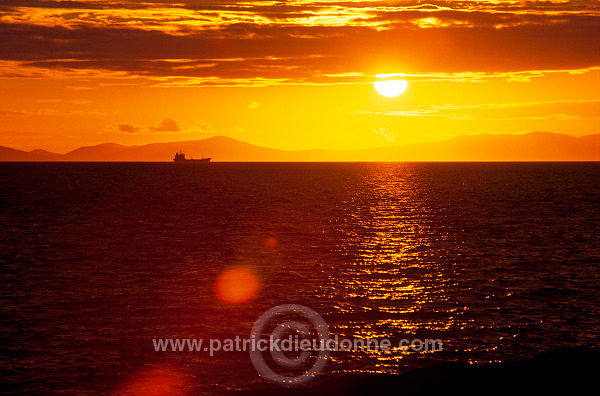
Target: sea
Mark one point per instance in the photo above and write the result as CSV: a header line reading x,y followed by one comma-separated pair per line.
x,y
500,261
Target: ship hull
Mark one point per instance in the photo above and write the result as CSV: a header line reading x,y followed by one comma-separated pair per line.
x,y
193,161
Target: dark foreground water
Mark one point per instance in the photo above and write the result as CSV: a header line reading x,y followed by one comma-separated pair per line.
x,y
499,260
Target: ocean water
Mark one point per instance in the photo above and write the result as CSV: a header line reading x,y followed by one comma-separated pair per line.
x,y
498,260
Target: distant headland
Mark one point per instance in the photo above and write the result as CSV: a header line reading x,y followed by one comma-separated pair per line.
x,y
534,146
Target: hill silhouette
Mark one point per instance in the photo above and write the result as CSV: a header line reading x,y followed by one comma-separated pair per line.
x,y
534,146
100,152
10,154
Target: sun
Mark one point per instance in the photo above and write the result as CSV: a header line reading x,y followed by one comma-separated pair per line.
x,y
391,88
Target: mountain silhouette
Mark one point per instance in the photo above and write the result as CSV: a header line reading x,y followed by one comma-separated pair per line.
x,y
100,152
534,146
10,154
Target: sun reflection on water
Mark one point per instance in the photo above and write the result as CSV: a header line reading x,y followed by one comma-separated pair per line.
x,y
392,285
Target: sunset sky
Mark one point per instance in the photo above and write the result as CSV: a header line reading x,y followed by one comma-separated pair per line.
x,y
294,74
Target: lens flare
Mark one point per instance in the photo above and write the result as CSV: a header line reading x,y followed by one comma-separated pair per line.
x,y
237,285
271,242
160,381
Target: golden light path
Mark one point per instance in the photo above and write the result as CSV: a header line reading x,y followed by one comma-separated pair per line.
x,y
393,285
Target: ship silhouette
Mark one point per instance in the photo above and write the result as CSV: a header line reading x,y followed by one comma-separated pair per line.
x,y
180,157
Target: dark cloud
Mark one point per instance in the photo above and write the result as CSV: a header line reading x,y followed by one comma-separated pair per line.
x,y
167,125
461,36
65,4
128,128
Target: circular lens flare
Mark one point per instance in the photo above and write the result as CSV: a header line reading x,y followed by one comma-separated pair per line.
x,y
160,381
237,285
391,88
271,242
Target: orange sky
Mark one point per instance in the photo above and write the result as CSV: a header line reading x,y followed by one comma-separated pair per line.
x,y
294,74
